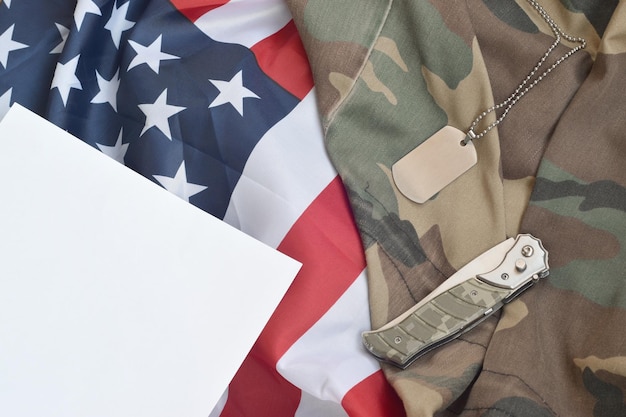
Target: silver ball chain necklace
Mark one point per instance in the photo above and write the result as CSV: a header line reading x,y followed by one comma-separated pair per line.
x,y
450,152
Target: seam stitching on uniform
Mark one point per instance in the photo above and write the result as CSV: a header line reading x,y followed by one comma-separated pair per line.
x,y
341,104
501,410
525,384
472,343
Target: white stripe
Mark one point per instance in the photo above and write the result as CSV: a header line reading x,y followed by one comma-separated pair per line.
x,y
311,406
219,407
245,22
286,171
329,359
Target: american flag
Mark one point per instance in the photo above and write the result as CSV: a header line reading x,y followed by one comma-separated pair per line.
x,y
214,101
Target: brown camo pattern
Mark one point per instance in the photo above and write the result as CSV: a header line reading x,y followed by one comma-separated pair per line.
x,y
389,74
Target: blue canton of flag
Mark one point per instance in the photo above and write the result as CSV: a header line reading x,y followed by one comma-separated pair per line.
x,y
140,82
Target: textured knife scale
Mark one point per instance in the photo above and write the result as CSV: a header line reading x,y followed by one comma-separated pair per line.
x,y
445,315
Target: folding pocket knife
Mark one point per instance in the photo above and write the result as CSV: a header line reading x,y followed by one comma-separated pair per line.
x,y
472,294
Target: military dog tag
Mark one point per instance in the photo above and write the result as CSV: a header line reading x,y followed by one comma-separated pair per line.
x,y
434,164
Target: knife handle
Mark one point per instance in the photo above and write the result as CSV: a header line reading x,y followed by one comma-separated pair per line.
x,y
458,309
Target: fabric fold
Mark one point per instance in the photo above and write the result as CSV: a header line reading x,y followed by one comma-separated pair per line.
x,y
397,72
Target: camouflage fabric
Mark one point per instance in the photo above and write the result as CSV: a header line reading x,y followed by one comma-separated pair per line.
x,y
391,73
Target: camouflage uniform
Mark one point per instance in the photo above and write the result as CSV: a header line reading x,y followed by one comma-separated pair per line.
x,y
391,73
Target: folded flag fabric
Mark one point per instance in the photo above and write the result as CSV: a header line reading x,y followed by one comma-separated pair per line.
x,y
214,101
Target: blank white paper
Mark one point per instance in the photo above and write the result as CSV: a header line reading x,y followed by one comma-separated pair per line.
x,y
117,298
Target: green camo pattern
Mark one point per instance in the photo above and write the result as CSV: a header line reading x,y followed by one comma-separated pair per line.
x,y
388,75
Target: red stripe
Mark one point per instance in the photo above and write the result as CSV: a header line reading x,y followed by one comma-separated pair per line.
x,y
327,243
283,58
258,390
373,397
193,9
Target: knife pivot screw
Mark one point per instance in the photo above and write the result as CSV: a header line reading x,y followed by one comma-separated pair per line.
x,y
474,293
527,251
397,340
504,276
520,265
